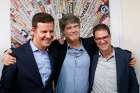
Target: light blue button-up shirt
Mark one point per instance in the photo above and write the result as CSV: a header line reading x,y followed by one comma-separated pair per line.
x,y
43,62
74,73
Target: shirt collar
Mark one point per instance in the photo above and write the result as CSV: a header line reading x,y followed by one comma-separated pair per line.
x,y
34,48
80,48
113,54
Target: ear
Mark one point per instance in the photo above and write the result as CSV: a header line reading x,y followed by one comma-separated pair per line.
x,y
110,35
33,30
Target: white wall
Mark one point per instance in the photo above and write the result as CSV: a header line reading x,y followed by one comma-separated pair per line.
x,y
116,21
131,29
125,18
4,27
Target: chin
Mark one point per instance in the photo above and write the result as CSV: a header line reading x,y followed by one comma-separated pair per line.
x,y
46,45
76,38
103,48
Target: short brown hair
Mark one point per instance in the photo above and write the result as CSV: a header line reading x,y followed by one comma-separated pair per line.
x,y
67,19
41,17
101,27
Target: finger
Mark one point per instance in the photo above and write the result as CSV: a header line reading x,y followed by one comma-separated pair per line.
x,y
131,65
11,57
8,51
132,62
133,59
9,63
14,61
7,56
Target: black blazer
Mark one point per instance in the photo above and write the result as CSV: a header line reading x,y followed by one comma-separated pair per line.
x,y
61,50
126,77
24,76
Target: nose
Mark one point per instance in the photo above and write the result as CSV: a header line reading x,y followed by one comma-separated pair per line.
x,y
102,41
74,30
49,35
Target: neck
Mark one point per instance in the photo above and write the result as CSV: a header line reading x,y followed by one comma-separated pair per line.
x,y
40,48
107,53
74,44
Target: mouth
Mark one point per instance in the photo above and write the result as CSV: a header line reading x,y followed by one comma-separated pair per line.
x,y
103,45
47,40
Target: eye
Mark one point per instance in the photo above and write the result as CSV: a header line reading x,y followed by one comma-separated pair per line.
x,y
51,31
102,38
76,26
44,31
68,27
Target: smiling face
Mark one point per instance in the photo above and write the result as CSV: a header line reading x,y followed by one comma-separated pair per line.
x,y
43,35
70,27
72,31
103,40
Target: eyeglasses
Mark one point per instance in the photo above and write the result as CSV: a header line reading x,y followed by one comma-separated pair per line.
x,y
102,38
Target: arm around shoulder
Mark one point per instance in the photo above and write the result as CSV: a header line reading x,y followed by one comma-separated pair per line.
x,y
133,82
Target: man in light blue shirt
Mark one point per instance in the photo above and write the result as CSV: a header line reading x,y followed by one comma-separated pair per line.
x,y
74,74
74,57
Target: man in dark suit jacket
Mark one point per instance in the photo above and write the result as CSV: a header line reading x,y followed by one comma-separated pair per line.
x,y
32,72
109,71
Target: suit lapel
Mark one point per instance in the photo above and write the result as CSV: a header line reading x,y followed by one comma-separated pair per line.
x,y
119,65
63,52
31,65
49,81
93,68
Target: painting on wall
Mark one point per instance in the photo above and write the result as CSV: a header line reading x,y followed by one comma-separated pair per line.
x,y
90,12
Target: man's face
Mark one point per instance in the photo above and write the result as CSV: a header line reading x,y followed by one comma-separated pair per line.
x,y
103,40
43,35
72,32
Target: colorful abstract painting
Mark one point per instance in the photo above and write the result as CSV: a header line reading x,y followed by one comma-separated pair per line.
x,y
90,12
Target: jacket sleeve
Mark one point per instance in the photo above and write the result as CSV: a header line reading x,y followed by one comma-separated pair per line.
x,y
133,82
8,79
